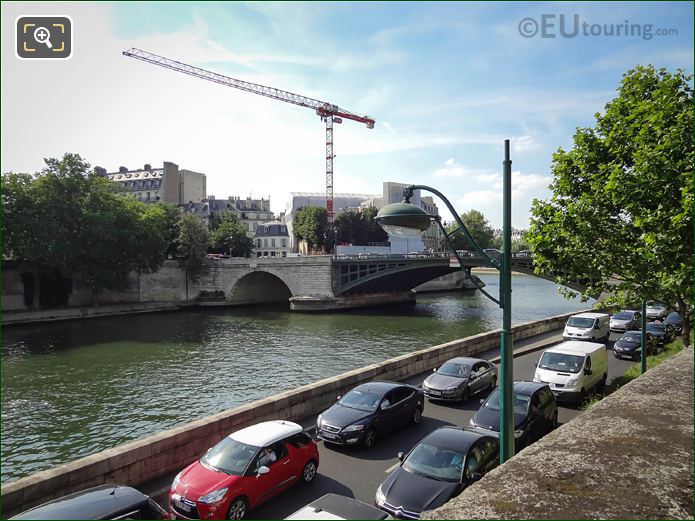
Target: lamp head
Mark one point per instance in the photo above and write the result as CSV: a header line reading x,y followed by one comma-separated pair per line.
x,y
403,219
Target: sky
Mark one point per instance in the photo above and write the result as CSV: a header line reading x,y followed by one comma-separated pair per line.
x,y
445,82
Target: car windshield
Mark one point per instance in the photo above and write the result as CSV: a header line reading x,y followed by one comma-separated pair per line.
x,y
580,322
623,315
561,362
656,305
361,400
230,456
521,402
435,462
656,328
455,369
632,336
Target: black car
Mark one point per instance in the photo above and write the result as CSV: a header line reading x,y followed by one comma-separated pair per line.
x,y
630,345
102,502
676,321
663,333
370,410
535,412
438,468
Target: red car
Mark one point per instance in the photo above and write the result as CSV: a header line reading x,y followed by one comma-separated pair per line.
x,y
244,470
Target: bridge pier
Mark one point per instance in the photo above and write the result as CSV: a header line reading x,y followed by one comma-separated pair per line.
x,y
319,303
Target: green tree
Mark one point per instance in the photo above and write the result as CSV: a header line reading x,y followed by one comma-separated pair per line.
x,y
172,216
477,226
230,236
193,243
66,220
310,224
358,227
620,217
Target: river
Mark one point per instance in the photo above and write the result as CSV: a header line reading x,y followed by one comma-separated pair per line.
x,y
73,388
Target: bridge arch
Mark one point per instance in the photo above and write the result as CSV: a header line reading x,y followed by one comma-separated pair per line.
x,y
259,287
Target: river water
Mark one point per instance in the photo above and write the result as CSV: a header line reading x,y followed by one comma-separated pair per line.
x,y
73,388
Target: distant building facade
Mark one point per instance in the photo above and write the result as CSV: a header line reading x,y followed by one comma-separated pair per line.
x,y
251,212
168,184
272,240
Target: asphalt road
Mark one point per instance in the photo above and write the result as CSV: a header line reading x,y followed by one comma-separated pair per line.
x,y
357,473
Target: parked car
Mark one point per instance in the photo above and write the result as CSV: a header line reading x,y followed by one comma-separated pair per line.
x,y
656,310
370,410
663,333
630,345
573,369
102,502
626,320
492,252
459,378
587,326
535,412
333,506
244,470
438,468
676,321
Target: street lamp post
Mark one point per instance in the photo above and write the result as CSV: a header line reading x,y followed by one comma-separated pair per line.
x,y
406,220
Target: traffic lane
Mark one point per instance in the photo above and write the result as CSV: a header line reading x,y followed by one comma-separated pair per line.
x,y
360,472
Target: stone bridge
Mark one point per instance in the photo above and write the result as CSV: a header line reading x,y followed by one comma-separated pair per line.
x,y
321,283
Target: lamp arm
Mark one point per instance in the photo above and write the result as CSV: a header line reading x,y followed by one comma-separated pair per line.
x,y
438,220
408,193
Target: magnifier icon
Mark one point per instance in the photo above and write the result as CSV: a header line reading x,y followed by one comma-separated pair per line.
x,y
42,35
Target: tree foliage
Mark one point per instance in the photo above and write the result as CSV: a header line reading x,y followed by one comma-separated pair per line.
x,y
620,218
67,220
358,227
310,224
230,236
193,243
479,228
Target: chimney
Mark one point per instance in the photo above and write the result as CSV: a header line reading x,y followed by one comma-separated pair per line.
x,y
122,169
148,167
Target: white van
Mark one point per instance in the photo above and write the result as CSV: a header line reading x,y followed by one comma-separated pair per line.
x,y
573,368
587,326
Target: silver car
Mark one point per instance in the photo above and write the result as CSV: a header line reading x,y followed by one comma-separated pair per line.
x,y
459,378
626,320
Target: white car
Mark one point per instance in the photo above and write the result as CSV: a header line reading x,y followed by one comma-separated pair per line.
x,y
333,506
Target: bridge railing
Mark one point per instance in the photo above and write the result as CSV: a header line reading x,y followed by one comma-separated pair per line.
x,y
420,255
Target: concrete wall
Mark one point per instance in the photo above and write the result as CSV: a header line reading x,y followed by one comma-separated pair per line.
x,y
629,457
153,456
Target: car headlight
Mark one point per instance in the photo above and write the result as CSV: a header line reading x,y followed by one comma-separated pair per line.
x,y
319,421
175,483
518,433
380,497
571,382
213,497
353,427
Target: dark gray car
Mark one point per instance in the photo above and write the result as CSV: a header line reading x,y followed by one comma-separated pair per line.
x,y
459,378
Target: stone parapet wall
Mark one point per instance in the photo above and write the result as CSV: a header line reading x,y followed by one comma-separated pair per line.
x,y
147,458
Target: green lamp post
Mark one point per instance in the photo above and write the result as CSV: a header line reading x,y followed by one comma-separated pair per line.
x,y
406,220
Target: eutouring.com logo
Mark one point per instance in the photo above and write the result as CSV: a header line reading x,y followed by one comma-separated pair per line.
x,y
562,26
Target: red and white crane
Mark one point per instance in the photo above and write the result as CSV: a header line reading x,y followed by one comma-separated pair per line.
x,y
328,112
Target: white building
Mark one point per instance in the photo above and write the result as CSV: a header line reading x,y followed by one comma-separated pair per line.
x,y
272,240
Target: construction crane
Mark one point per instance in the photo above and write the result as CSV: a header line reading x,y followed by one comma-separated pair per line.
x,y
328,112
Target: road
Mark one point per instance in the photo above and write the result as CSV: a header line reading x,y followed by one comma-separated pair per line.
x,y
357,473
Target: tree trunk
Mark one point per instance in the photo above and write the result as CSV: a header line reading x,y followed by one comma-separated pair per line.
x,y
686,318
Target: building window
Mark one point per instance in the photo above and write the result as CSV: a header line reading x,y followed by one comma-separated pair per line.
x,y
272,243
284,243
265,243
272,254
258,243
284,254
148,196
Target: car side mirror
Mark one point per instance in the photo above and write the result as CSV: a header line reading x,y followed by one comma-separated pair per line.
x,y
475,476
482,401
587,371
383,406
536,363
434,370
400,456
597,326
263,470
337,398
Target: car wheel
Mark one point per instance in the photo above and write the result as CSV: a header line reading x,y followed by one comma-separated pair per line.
x,y
554,422
238,509
309,472
602,383
493,383
582,396
417,416
465,394
369,438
